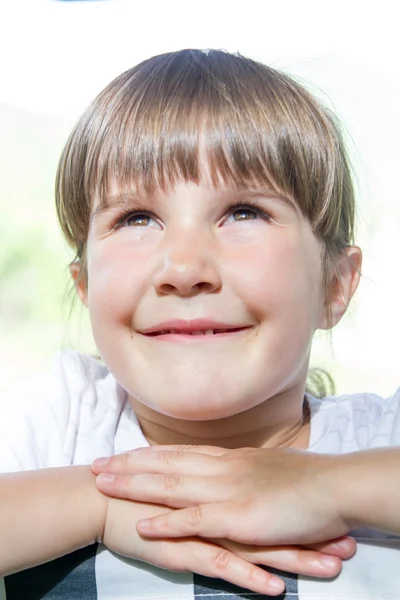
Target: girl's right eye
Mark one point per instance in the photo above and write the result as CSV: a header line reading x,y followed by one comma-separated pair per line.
x,y
134,219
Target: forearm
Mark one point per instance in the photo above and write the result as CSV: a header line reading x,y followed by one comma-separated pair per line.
x,y
46,514
368,488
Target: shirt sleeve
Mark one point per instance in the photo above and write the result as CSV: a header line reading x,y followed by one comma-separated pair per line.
x,y
33,422
65,417
387,432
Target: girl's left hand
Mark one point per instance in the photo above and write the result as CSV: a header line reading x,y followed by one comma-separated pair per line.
x,y
250,496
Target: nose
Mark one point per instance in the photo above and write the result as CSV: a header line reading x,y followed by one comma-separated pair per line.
x,y
187,268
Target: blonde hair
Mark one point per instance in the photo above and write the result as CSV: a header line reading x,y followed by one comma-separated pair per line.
x,y
157,122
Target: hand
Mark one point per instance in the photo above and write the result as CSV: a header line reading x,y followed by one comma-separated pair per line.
x,y
250,496
227,560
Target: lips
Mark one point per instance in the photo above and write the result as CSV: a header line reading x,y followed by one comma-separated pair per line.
x,y
195,332
193,328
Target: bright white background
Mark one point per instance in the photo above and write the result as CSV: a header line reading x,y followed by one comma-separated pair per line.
x,y
55,56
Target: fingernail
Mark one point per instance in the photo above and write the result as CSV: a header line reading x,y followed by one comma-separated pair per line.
x,y
101,462
328,561
342,545
105,478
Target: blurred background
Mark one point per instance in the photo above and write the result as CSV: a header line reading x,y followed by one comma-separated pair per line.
x,y
56,55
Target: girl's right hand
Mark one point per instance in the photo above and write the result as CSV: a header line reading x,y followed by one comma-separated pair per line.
x,y
233,562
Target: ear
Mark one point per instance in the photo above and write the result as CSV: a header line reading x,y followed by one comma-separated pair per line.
x,y
80,281
342,287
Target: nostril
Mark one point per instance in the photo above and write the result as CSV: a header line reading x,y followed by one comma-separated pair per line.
x,y
167,288
184,279
203,286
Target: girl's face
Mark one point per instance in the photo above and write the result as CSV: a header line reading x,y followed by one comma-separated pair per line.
x,y
204,301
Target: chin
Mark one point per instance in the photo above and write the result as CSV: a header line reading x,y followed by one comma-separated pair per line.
x,y
194,408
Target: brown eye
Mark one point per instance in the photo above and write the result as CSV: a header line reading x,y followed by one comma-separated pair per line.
x,y
138,220
244,214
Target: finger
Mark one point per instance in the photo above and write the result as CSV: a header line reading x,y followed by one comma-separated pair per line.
x,y
171,490
204,520
160,460
208,450
293,559
213,561
343,547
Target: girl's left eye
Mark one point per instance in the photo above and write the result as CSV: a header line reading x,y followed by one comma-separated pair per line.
x,y
246,213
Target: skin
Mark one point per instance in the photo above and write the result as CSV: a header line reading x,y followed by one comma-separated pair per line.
x,y
186,254
69,511
190,258
257,495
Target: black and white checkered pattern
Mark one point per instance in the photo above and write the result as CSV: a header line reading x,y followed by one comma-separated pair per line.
x,y
94,573
73,577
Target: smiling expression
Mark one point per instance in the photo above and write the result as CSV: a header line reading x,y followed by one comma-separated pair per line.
x,y
203,300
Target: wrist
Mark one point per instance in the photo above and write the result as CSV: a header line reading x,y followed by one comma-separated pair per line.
x,y
360,484
98,505
69,513
342,476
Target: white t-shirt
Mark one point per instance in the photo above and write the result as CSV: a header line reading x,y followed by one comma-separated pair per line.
x,y
79,412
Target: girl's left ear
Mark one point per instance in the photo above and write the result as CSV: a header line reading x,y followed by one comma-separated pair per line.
x,y
80,283
343,285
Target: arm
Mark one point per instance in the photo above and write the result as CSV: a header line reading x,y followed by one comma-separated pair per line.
x,y
46,514
367,487
259,496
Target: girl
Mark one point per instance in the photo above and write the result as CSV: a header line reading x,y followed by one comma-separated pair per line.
x,y
209,201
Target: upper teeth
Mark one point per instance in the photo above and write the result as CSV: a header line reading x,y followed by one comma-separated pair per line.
x,y
198,332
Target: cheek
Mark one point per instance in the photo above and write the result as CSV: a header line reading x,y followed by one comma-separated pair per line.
x,y
115,283
284,277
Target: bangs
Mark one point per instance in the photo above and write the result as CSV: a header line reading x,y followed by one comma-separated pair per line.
x,y
184,115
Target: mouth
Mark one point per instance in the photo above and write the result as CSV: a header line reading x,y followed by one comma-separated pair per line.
x,y
199,329
195,332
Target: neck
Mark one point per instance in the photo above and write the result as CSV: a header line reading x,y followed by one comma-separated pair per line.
x,y
281,421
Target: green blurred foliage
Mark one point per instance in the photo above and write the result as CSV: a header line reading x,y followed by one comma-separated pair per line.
x,y
34,278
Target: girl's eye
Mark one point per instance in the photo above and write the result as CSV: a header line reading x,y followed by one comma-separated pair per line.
x,y
135,219
247,213
138,220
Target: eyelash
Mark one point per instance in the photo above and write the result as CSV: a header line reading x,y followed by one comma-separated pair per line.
x,y
249,204
229,211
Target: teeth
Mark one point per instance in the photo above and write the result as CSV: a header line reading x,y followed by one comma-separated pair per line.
x,y
206,332
199,332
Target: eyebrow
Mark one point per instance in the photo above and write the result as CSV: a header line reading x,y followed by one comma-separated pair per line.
x,y
131,199
119,201
267,193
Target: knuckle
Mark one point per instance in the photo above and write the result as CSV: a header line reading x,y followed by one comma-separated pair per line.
x,y
127,458
171,482
188,447
194,517
169,456
222,560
